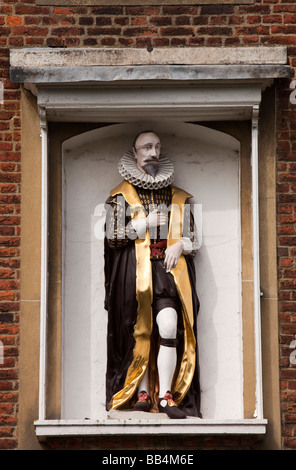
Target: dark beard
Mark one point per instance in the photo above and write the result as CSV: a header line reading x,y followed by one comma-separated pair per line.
x,y
151,169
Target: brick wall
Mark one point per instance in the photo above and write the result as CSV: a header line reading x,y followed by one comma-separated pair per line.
x,y
286,208
176,443
267,22
23,24
10,191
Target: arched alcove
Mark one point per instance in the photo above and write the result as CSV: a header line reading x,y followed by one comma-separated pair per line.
x,y
207,164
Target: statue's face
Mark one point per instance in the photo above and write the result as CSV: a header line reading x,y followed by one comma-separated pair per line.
x,y
147,152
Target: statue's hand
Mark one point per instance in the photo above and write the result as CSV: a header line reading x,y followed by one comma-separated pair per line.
x,y
172,254
155,218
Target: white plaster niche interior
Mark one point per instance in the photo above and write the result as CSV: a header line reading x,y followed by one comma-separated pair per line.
x,y
207,164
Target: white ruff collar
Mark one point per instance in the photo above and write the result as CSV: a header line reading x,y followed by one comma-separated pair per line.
x,y
129,171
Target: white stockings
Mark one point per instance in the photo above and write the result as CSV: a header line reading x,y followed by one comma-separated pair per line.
x,y
167,357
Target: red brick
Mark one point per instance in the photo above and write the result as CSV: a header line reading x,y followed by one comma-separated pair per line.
x,y
287,241
252,30
9,397
287,284
217,10
73,31
6,409
9,284
109,10
142,10
289,19
161,20
29,20
29,31
14,20
283,29
262,9
273,19
8,373
21,9
9,220
138,20
214,31
160,42
254,19
179,10
286,261
6,385
287,219
284,209
7,295
139,31
6,444
6,307
55,42
68,20
177,31
284,8
103,21
279,40
61,11
101,31
6,432
183,20
9,199
290,443
6,274
288,307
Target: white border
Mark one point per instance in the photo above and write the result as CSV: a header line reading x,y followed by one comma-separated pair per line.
x,y
44,267
256,266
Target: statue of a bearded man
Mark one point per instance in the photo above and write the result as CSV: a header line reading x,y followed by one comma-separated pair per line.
x,y
151,296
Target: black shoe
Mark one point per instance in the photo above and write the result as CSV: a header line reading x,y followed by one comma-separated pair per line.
x,y
143,403
168,406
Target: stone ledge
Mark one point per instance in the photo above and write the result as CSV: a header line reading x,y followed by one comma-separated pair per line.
x,y
169,73
156,425
79,57
103,65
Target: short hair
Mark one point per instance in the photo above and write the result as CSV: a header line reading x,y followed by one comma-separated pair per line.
x,y
140,133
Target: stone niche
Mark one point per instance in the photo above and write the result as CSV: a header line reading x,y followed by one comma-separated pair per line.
x,y
207,164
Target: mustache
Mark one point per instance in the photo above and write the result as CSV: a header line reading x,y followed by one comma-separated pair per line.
x,y
151,160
